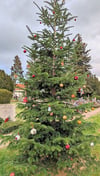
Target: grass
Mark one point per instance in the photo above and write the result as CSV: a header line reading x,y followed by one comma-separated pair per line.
x,y
7,155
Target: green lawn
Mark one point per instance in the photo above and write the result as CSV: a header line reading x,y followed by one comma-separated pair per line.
x,y
7,155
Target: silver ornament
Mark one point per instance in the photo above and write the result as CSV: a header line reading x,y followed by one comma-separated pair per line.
x,y
92,144
33,131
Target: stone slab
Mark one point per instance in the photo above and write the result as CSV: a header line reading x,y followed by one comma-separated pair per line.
x,y
8,110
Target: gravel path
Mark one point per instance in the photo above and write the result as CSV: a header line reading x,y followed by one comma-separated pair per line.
x,y
91,113
8,110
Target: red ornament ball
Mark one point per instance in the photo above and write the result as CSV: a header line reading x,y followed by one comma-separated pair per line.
x,y
33,76
24,51
88,75
75,77
35,35
61,47
75,19
25,100
67,146
73,40
6,120
12,174
40,22
53,12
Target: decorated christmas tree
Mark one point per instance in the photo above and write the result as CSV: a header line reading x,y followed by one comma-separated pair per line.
x,y
52,136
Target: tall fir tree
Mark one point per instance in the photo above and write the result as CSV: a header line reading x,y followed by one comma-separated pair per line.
x,y
82,56
16,69
52,136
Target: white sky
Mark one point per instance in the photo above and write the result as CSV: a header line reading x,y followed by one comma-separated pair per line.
x,y
16,14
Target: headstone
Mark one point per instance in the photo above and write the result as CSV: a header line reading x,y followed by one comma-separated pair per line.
x,y
8,110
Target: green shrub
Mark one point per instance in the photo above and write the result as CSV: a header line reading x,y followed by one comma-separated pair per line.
x,y
5,96
97,97
1,120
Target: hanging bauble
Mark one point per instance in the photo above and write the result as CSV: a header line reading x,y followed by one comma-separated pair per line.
x,y
75,77
49,108
61,47
34,35
24,51
73,96
84,86
17,137
53,12
79,122
92,144
64,117
12,174
67,146
6,120
33,131
87,75
81,91
62,63
33,76
92,108
73,40
25,100
40,22
75,19
51,114
28,66
61,85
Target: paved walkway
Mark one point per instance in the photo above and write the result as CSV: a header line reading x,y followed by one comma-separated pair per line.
x,y
8,110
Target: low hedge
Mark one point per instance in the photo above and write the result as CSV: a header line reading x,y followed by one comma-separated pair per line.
x,y
5,96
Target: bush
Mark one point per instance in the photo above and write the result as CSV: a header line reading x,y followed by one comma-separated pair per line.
x,y
97,97
5,96
6,81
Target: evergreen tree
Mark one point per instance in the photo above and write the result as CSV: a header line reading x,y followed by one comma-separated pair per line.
x,y
52,135
82,56
16,69
6,81
94,83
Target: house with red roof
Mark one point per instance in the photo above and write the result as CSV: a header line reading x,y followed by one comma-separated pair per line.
x,y
18,91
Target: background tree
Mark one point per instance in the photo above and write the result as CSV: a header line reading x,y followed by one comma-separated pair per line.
x,y
16,69
94,83
52,135
81,54
6,81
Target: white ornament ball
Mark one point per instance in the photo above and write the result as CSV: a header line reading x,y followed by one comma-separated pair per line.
x,y
33,131
17,137
92,144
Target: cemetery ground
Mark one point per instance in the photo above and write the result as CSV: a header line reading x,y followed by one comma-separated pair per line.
x,y
7,154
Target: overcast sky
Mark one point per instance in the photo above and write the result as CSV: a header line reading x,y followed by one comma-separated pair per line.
x,y
16,14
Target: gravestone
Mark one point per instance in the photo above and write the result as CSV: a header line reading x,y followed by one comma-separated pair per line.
x,y
7,110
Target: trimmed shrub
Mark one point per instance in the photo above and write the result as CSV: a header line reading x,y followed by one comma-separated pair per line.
x,y
6,81
5,96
